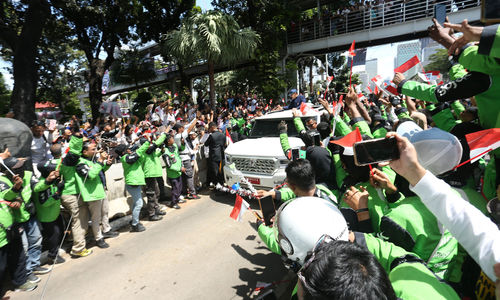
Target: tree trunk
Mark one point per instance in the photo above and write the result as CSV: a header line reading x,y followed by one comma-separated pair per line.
x,y
95,76
185,82
301,78
24,66
211,82
311,77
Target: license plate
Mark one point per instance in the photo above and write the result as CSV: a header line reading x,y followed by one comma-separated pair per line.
x,y
253,180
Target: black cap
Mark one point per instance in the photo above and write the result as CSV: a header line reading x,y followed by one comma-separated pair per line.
x,y
46,168
13,163
120,149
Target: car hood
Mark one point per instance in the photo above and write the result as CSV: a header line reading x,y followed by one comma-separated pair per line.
x,y
265,147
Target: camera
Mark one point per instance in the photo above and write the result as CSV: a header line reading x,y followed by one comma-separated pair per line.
x,y
395,100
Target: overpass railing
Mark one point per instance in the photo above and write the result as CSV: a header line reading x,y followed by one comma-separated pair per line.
x,y
370,16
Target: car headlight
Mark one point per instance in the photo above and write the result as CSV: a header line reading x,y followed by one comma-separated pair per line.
x,y
229,159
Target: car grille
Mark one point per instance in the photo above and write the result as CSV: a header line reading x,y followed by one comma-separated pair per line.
x,y
255,165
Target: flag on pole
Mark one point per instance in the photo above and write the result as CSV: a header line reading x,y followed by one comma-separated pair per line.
x,y
352,52
240,206
482,142
229,140
348,141
369,89
390,88
410,68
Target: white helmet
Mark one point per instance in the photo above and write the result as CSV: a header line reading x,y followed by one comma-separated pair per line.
x,y
301,222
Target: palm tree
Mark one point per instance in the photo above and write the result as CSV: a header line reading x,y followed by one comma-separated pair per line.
x,y
213,37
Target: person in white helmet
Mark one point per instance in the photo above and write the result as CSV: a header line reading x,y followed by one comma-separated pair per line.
x,y
305,225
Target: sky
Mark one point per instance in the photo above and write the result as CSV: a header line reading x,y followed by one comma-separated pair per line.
x,y
204,4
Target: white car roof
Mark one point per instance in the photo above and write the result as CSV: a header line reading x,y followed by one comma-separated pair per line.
x,y
287,114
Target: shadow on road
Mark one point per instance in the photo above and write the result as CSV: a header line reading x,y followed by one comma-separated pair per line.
x,y
268,268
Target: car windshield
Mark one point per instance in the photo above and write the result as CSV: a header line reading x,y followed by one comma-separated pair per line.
x,y
269,128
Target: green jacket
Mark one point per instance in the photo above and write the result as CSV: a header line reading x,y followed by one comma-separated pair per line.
x,y
410,278
47,208
175,169
490,41
88,180
285,194
152,159
6,219
410,225
8,193
340,127
68,166
484,86
133,166
377,206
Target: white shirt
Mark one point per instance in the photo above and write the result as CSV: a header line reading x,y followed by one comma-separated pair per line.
x,y
473,230
40,148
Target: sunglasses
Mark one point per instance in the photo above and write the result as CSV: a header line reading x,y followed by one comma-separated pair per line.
x,y
324,239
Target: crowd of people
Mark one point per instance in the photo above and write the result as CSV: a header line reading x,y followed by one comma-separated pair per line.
x,y
415,228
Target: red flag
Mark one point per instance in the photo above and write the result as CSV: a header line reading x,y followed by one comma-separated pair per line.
x,y
482,142
391,88
369,89
240,206
352,53
305,108
410,68
229,140
349,140
376,90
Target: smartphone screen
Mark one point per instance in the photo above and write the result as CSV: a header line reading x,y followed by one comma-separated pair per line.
x,y
295,154
375,151
440,13
267,208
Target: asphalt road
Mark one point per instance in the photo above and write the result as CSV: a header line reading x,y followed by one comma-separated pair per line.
x,y
197,252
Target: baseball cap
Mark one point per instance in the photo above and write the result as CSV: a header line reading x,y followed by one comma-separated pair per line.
x,y
292,91
13,162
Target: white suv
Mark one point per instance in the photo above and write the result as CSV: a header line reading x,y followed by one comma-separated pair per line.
x,y
260,158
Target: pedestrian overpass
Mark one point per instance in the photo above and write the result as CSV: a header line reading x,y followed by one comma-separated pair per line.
x,y
372,26
329,32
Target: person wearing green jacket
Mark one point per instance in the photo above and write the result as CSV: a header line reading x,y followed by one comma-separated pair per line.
x,y
153,172
386,272
174,171
92,189
47,199
19,188
69,197
12,253
132,163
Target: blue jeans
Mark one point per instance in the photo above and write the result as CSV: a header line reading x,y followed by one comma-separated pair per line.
x,y
136,192
32,243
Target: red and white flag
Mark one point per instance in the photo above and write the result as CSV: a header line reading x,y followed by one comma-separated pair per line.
x,y
348,141
431,77
391,88
410,68
482,142
369,89
229,140
240,206
305,108
352,52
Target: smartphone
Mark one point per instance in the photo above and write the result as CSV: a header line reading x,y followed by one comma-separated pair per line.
x,y
268,209
490,11
440,13
375,151
317,139
295,154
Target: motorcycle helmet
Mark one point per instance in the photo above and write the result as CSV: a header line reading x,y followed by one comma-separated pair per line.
x,y
301,222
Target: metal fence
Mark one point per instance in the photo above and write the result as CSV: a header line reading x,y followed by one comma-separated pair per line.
x,y
370,16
